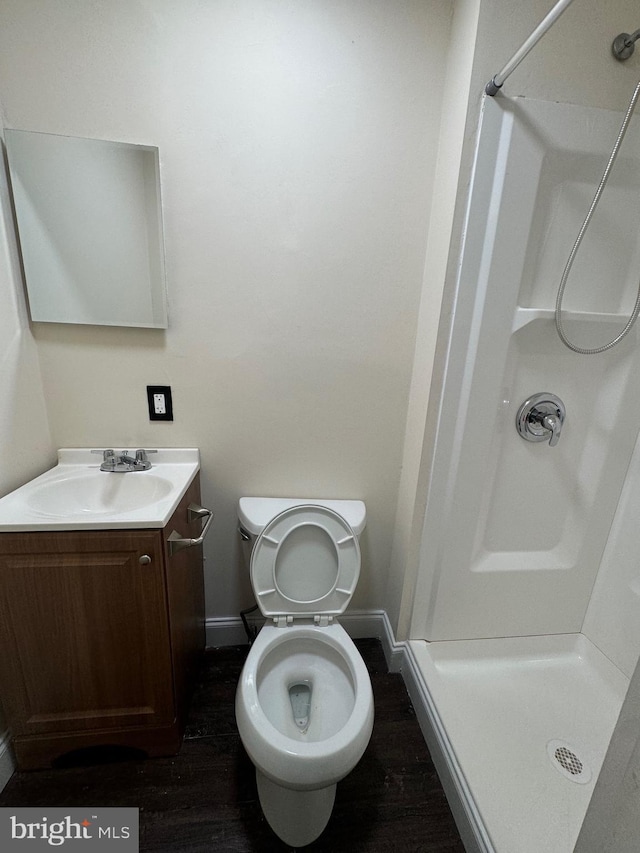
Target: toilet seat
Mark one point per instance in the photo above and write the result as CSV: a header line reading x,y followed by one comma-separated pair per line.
x,y
305,563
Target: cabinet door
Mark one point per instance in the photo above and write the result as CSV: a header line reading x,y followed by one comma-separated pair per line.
x,y
83,632
185,596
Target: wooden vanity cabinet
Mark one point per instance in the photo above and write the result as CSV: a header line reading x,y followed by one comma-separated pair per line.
x,y
100,635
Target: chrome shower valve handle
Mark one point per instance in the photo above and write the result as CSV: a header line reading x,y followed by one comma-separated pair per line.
x,y
554,425
540,418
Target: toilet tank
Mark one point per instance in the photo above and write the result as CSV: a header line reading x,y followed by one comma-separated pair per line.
x,y
255,513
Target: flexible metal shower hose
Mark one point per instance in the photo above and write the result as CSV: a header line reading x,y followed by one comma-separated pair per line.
x,y
565,275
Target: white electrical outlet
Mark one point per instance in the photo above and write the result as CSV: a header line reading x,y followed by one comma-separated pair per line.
x,y
160,403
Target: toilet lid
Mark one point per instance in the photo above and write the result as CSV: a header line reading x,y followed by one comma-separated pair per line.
x,y
305,562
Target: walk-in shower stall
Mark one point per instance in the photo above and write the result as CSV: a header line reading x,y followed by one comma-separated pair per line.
x,y
526,619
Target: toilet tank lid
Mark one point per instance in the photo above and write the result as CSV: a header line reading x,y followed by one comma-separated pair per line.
x,y
255,513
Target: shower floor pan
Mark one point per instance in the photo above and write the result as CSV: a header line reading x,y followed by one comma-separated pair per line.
x,y
529,720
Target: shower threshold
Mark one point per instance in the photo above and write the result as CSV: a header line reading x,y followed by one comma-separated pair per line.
x,y
529,720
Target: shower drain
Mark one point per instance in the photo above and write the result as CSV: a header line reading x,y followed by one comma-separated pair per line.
x,y
566,760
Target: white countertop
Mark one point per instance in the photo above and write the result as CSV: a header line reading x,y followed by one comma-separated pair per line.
x,y
77,495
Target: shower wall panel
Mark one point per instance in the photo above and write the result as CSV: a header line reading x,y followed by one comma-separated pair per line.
x,y
514,530
613,616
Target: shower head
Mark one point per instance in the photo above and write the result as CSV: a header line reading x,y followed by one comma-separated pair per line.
x,y
624,45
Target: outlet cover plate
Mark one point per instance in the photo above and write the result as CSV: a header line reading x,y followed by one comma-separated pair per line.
x,y
160,403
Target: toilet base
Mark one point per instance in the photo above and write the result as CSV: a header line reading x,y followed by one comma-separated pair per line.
x,y
296,817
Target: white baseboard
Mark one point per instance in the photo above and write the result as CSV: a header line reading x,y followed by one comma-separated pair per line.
x,y
7,761
226,631
229,630
465,812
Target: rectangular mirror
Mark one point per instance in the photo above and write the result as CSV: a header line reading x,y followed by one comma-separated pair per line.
x,y
90,225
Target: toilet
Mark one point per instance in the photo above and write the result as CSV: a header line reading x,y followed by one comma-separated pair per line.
x,y
304,704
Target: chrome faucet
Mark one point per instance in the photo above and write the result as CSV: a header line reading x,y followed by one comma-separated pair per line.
x,y
540,418
121,463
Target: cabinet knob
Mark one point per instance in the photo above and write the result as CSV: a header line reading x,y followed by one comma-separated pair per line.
x,y
144,560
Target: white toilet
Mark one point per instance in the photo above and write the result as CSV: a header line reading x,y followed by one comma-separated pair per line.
x,y
304,704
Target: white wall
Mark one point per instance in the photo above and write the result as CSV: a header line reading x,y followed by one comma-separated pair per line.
x,y
297,145
612,822
25,443
612,621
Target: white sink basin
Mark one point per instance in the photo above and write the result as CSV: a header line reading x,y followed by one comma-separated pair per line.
x,y
77,494
94,494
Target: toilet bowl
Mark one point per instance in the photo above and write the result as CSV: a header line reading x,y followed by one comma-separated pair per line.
x,y
304,705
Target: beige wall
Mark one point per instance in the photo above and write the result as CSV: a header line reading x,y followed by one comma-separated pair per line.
x,y
25,442
305,149
26,448
572,63
298,144
418,439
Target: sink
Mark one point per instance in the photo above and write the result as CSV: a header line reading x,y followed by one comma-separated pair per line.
x,y
76,494
93,493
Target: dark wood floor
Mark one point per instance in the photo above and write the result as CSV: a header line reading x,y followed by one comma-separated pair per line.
x,y
205,799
